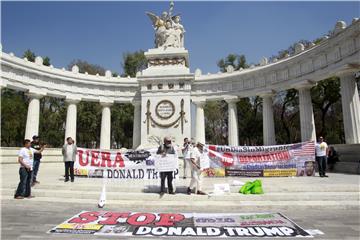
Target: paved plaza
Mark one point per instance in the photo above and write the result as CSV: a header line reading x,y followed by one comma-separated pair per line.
x,y
330,205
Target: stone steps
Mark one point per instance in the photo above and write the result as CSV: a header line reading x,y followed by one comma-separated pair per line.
x,y
201,205
181,196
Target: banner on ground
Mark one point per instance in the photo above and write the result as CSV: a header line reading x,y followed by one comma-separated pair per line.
x,y
129,165
262,161
205,225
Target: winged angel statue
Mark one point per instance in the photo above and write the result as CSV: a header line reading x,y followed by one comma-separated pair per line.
x,y
169,32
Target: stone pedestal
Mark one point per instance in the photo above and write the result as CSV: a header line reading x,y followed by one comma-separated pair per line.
x,y
165,96
32,120
350,108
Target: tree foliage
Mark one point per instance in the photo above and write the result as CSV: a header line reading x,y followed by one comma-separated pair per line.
x,y
85,66
235,60
133,62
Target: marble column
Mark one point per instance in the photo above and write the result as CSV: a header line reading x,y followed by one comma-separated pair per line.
x,y
233,136
307,123
199,122
268,120
137,124
32,120
71,118
105,135
350,108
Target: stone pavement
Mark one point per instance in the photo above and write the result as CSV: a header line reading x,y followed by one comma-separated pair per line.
x,y
328,204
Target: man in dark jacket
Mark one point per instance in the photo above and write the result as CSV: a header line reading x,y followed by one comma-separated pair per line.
x,y
35,144
166,148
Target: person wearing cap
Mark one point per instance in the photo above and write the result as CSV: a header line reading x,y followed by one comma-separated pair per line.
x,y
166,148
26,160
196,178
321,153
35,144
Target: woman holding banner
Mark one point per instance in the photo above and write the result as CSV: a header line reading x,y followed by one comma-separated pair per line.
x,y
196,178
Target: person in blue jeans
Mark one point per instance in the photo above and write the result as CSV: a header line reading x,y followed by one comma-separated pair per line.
x,y
35,144
321,153
26,160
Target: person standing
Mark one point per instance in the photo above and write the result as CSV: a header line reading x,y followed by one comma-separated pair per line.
x,y
321,153
26,160
35,144
196,179
186,150
166,148
333,158
69,151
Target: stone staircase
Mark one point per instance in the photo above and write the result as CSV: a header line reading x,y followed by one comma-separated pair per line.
x,y
339,191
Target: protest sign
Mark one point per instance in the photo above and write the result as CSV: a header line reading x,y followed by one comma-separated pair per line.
x,y
206,225
167,163
262,161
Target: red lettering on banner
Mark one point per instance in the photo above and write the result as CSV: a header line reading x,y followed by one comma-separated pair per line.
x,y
227,159
85,217
211,149
94,158
168,219
147,219
112,218
105,158
119,160
83,162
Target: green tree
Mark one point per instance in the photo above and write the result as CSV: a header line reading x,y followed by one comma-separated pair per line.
x,y
46,61
85,66
13,117
133,62
29,55
324,95
215,122
235,60
122,118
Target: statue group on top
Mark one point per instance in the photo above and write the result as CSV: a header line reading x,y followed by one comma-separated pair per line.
x,y
169,32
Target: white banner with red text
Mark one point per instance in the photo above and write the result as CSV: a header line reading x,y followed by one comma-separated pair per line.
x,y
296,159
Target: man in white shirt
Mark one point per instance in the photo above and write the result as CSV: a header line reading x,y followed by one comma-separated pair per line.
x,y
26,160
69,152
321,153
186,151
196,178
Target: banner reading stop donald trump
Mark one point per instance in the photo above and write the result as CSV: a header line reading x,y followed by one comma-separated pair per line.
x,y
262,161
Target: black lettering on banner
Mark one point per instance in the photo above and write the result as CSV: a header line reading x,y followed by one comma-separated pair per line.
x,y
179,231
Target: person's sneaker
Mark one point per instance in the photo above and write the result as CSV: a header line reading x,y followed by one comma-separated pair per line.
x,y
66,180
325,176
72,180
162,194
200,193
19,197
188,191
33,184
37,182
172,193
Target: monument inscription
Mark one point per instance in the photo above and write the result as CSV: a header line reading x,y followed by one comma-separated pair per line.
x,y
165,109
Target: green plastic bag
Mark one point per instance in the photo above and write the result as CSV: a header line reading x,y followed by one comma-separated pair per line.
x,y
254,187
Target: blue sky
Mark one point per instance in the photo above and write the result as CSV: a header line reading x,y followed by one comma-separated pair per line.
x,y
100,32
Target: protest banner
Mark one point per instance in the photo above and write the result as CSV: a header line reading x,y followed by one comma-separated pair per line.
x,y
205,225
167,163
262,161
113,164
